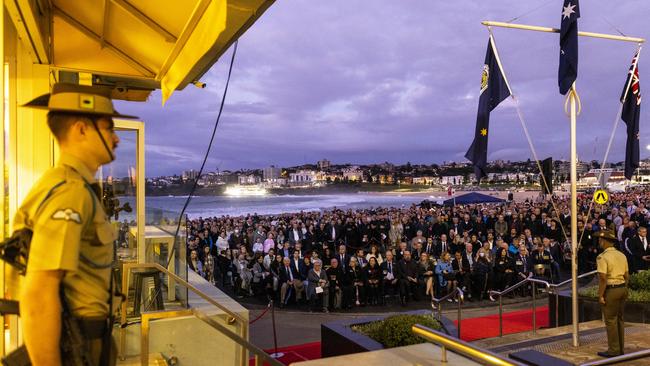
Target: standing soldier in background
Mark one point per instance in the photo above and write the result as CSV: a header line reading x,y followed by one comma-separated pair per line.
x,y
71,253
612,290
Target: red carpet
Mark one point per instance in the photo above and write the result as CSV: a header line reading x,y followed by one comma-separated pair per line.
x,y
513,322
297,353
471,330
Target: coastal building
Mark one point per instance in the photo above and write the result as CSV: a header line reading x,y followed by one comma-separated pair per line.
x,y
271,173
249,179
189,175
303,176
591,179
324,164
384,179
275,183
353,174
426,180
451,180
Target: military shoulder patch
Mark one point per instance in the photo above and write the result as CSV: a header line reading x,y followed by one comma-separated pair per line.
x,y
67,214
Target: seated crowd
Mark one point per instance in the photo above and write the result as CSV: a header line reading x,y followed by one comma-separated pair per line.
x,y
339,259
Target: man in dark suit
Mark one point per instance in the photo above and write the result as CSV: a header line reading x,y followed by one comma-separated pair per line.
x,y
466,225
441,246
407,276
429,247
523,267
298,265
334,232
460,265
389,273
343,257
289,278
640,248
294,234
335,277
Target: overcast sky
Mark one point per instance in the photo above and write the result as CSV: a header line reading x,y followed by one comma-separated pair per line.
x,y
367,81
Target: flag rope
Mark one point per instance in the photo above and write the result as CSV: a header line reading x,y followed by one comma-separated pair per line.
x,y
611,137
530,11
523,125
539,166
573,92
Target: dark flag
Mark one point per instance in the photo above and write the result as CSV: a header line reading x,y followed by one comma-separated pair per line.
x,y
631,99
494,89
568,71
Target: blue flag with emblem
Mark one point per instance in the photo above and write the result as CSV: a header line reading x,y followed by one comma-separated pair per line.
x,y
568,71
494,89
631,99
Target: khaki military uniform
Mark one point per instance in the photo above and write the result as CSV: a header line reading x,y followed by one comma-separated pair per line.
x,y
71,233
613,264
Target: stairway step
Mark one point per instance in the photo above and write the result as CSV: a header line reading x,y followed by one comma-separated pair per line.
x,y
536,358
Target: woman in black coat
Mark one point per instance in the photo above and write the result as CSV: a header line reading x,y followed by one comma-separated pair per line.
x,y
373,276
504,270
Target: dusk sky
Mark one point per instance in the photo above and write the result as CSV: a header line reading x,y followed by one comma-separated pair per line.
x,y
367,81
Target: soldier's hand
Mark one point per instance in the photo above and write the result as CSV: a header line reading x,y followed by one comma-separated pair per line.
x,y
601,300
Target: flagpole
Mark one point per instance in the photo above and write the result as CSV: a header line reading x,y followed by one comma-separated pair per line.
x,y
574,220
555,30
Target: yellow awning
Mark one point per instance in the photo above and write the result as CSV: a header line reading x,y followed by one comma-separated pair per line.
x,y
134,45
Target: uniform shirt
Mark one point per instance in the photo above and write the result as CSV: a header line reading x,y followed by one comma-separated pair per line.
x,y
70,233
613,264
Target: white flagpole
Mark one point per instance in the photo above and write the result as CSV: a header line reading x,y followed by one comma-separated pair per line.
x,y
555,30
574,221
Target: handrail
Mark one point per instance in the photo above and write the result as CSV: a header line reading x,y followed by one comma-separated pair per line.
x,y
147,317
571,279
234,317
617,359
550,287
528,279
459,295
259,353
461,347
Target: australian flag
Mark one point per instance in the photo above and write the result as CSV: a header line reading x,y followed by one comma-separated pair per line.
x,y
494,90
568,71
631,99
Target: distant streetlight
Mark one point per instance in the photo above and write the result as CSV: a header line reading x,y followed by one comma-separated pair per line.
x,y
647,147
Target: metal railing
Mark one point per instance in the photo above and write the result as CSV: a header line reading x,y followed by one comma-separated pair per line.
x,y
233,318
550,287
463,348
555,290
436,305
261,357
618,359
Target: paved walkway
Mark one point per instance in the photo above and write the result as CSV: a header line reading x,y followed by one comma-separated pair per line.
x,y
297,327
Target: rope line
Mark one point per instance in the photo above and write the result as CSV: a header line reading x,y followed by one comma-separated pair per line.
x,y
261,315
611,139
539,165
530,11
602,165
530,140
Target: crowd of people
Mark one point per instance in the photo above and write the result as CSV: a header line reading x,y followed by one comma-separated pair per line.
x,y
338,259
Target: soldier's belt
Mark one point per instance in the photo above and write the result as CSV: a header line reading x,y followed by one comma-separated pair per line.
x,y
93,328
615,286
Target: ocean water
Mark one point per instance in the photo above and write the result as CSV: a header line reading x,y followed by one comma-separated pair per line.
x,y
209,206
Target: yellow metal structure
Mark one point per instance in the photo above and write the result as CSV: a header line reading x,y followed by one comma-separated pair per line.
x,y
134,46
